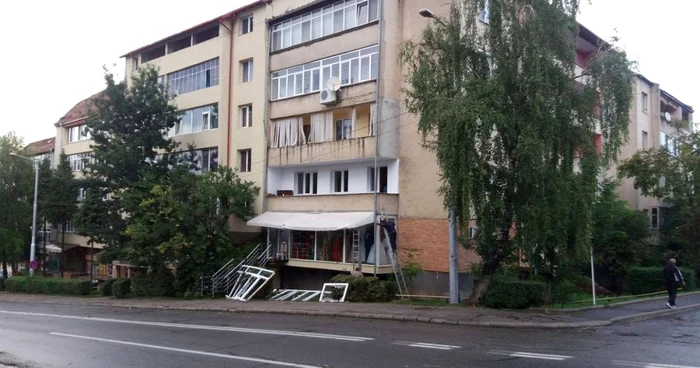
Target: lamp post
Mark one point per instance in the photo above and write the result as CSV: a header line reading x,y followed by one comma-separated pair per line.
x,y
454,274
32,249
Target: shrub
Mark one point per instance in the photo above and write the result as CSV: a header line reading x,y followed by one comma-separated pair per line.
x,y
107,287
510,294
40,285
121,288
563,292
2,283
160,283
644,280
367,289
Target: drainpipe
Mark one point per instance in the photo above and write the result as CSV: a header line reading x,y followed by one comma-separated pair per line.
x,y
229,96
266,114
378,114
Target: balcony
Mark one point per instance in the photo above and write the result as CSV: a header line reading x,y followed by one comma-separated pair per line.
x,y
346,149
388,203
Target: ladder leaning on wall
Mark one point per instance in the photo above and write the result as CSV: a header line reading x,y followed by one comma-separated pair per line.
x,y
394,259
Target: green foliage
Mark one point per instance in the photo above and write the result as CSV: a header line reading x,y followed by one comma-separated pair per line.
x,y
16,198
61,200
41,285
367,289
154,284
675,177
507,140
619,238
563,292
121,288
107,287
2,283
644,280
507,294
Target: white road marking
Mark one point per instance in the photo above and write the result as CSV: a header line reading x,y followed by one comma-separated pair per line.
x,y
225,356
520,354
199,327
427,345
649,365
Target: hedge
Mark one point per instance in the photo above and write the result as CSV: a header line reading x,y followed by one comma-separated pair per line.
x,y
161,283
41,285
2,283
121,288
107,287
510,294
367,289
645,280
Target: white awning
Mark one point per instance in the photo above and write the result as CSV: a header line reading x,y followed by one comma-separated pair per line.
x,y
50,248
327,221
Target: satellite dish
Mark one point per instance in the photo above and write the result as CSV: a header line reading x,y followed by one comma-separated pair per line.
x,y
333,83
667,116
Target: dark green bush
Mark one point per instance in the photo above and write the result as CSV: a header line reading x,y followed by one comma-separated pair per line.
x,y
367,289
563,292
107,287
2,283
645,280
121,288
41,285
158,284
510,294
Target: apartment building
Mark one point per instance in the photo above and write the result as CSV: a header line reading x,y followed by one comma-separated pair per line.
x,y
653,109
41,150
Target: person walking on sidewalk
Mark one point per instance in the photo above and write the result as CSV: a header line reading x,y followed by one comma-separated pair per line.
x,y
672,276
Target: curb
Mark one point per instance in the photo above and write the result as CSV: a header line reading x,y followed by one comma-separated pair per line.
x,y
389,317
593,307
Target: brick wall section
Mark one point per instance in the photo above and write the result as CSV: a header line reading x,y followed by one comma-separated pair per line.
x,y
426,242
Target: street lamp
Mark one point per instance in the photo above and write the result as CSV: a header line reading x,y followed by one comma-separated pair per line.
x,y
32,249
454,273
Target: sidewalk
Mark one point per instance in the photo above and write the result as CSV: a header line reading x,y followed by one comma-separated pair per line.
x,y
452,315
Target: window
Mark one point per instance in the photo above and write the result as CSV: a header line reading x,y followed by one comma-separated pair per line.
x,y
645,140
196,77
352,67
655,218
319,23
383,179
307,183
208,159
79,161
68,226
78,133
343,129
81,194
245,159
645,102
196,120
247,116
247,25
340,181
247,70
484,12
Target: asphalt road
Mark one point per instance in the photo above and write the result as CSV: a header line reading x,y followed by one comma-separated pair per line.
x,y
63,336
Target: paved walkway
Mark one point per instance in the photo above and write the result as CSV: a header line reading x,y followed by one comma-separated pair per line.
x,y
455,315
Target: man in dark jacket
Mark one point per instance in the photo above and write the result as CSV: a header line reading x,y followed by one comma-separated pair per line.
x,y
672,276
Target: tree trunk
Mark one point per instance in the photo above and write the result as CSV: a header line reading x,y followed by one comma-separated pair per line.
x,y
43,261
92,261
63,248
490,268
4,263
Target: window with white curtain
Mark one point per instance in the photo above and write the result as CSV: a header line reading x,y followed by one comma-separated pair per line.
x,y
341,16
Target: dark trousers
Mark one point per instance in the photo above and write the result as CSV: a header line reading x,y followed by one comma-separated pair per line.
x,y
672,288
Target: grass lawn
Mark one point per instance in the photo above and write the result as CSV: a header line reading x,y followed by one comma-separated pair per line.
x,y
581,300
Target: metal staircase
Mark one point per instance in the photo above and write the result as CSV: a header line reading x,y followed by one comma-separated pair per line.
x,y
223,280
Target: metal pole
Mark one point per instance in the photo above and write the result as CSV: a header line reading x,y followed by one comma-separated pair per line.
x,y
592,276
454,274
377,117
32,249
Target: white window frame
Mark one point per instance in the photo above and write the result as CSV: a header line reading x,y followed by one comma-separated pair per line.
x,y
247,24
79,161
292,32
247,70
652,215
208,114
193,78
69,226
304,189
246,116
344,181
78,133
245,160
81,194
313,76
645,140
372,182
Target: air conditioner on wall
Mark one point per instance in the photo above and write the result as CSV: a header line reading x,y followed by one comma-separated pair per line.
x,y
328,96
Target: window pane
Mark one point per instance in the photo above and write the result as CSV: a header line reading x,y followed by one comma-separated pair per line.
x,y
196,120
283,87
315,183
317,28
286,37
346,180
337,181
307,182
354,71
307,81
290,86
375,66
205,160
327,24
299,84
362,13
300,183
364,68
345,74
350,17
306,31
275,89
276,40
373,10
296,34
335,70
187,122
214,119
338,21
316,77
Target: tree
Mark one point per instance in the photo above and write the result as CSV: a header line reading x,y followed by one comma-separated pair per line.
x,y
673,176
184,222
16,198
511,124
61,200
45,181
620,237
131,153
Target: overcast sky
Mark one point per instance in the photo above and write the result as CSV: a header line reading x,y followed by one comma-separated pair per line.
x,y
53,51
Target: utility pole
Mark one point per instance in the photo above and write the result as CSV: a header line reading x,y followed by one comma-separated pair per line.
x,y
32,249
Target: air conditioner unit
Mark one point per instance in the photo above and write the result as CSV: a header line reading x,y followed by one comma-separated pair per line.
x,y
328,96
